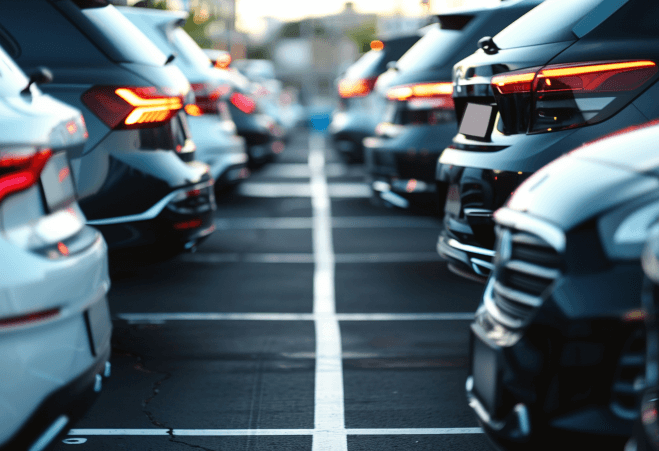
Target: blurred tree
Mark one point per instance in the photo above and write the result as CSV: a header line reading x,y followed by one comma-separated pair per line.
x,y
363,35
290,30
258,53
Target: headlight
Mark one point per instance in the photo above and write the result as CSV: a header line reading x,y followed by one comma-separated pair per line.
x,y
624,230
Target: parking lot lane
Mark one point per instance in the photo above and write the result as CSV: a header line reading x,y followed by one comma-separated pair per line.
x,y
166,443
399,239
209,375
365,207
406,374
403,288
471,442
180,286
258,241
233,205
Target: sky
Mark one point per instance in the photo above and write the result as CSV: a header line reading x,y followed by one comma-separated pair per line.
x,y
250,13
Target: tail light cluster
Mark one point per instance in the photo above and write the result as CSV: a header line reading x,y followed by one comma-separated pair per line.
x,y
243,102
132,107
565,96
356,87
426,103
21,169
207,97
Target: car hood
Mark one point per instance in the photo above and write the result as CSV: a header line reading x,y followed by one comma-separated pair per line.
x,y
578,187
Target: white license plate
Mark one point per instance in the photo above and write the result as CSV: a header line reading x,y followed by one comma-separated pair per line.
x,y
477,121
57,182
99,324
485,370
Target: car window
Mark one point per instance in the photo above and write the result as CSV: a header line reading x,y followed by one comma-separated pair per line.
x,y
131,44
189,49
366,64
45,36
551,21
12,78
431,50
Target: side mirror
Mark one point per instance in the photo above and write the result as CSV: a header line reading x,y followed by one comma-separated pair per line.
x,y
41,76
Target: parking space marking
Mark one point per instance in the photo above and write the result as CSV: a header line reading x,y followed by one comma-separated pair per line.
x,y
335,190
329,421
345,222
210,316
372,257
269,432
301,170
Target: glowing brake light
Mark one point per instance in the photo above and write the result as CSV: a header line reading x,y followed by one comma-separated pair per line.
x,y
562,96
19,172
223,61
193,110
420,90
132,107
243,102
356,87
207,96
377,45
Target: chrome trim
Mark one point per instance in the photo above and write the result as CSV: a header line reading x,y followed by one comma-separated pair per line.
x,y
493,310
475,263
98,383
483,414
523,419
517,296
395,199
525,222
379,185
468,248
154,210
478,212
531,269
108,369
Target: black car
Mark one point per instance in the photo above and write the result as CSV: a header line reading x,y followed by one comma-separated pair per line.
x,y
419,119
565,73
358,109
136,176
646,432
558,342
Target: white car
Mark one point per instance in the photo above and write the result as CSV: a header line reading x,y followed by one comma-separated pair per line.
x,y
54,320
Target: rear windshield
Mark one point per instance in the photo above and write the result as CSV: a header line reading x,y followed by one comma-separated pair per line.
x,y
12,79
126,39
189,49
431,50
551,21
373,62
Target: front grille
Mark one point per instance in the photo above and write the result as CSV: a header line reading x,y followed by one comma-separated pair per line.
x,y
525,266
629,381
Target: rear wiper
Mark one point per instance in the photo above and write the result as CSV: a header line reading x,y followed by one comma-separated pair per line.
x,y
488,45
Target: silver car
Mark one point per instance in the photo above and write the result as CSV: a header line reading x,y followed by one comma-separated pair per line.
x,y
54,321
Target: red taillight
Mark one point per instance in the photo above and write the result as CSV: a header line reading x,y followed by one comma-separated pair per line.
x,y
357,87
34,317
208,95
132,107
186,225
19,172
243,102
377,45
564,96
223,61
424,95
193,110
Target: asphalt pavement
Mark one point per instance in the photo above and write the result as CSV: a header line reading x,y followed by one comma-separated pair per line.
x,y
310,320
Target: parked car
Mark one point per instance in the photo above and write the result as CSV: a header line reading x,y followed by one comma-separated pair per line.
x,y
54,320
136,176
558,343
358,112
212,129
419,119
564,74
646,431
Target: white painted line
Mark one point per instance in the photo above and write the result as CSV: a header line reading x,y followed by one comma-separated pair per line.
x,y
366,222
269,432
267,189
294,170
329,422
386,257
160,318
413,431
